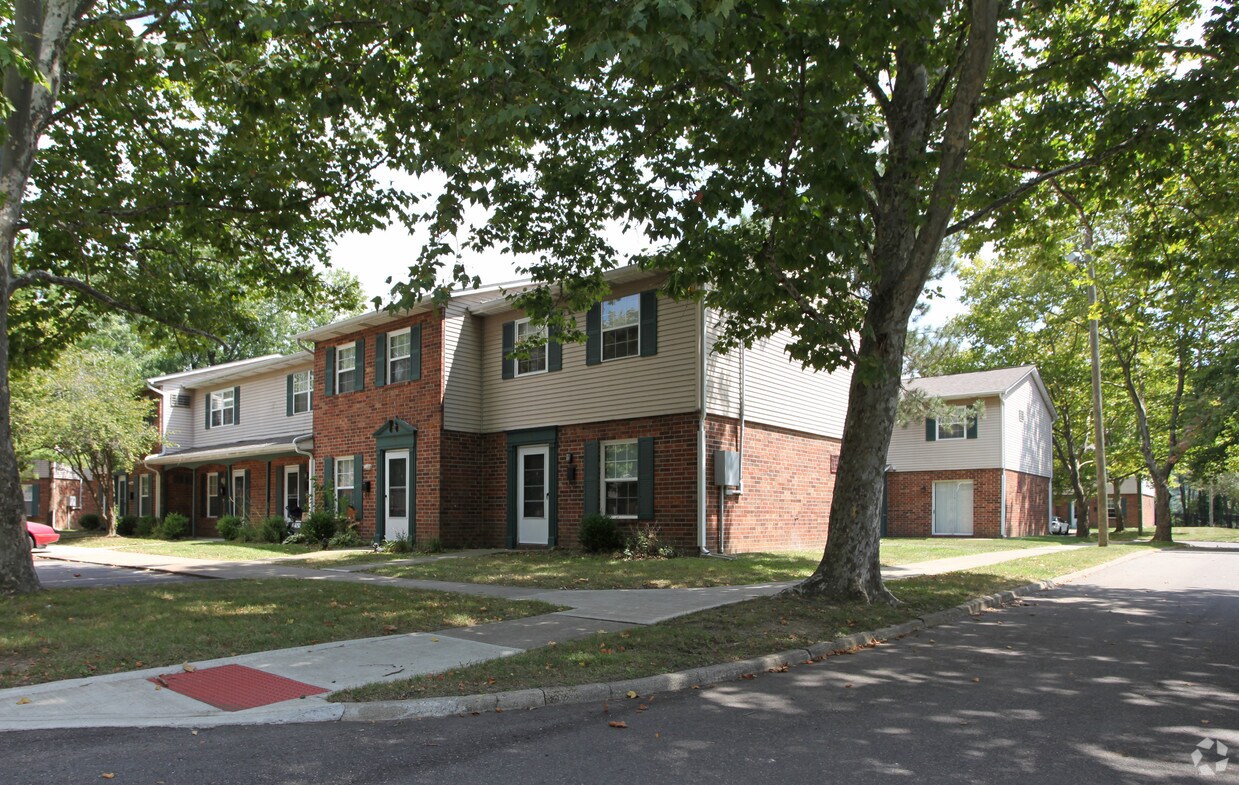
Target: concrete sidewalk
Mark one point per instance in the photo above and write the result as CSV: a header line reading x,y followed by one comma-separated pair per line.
x,y
131,700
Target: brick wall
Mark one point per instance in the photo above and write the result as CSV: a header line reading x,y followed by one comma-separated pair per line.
x,y
1028,504
788,488
344,424
910,501
463,506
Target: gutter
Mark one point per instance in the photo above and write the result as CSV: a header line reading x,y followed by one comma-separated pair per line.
x,y
310,461
701,428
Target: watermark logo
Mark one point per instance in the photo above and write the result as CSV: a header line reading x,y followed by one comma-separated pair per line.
x,y
1211,757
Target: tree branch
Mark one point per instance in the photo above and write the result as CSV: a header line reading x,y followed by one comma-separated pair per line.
x,y
34,277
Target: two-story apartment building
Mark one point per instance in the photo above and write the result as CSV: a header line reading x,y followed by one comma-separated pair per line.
x,y
236,440
425,420
967,475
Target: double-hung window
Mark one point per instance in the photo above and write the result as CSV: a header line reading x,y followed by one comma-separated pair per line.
x,y
144,495
346,368
303,387
954,424
536,361
399,356
345,482
223,407
619,478
621,327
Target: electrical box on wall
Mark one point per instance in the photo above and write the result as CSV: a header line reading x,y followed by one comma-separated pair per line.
x,y
726,468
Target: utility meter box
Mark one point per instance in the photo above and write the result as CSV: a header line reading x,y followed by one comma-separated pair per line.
x,y
727,468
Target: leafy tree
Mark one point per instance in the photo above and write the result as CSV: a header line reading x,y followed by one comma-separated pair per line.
x,y
170,159
87,411
795,166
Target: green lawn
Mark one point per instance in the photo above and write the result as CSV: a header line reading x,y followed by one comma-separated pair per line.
x,y
215,550
734,632
1204,534
68,633
571,570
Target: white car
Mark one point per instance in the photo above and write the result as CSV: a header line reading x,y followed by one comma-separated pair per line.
x,y
1059,526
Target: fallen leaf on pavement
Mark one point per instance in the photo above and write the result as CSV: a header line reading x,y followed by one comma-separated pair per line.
x,y
631,693
23,701
107,776
617,724
188,668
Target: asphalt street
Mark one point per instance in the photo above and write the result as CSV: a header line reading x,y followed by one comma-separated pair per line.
x,y
1116,679
66,575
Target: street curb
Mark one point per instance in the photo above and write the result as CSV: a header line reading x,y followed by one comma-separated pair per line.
x,y
704,676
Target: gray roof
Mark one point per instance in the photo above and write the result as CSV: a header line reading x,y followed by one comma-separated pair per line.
x,y
958,385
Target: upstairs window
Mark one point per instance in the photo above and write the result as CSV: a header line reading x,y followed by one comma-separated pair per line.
x,y
953,425
303,385
346,368
621,327
223,407
399,356
536,361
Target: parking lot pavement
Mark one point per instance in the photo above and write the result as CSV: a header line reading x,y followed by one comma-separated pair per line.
x,y
55,574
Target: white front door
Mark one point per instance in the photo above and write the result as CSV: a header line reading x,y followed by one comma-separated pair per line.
x,y
953,507
533,523
396,494
240,494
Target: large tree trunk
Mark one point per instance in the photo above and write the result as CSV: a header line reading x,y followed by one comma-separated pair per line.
x,y
17,573
1119,522
1161,507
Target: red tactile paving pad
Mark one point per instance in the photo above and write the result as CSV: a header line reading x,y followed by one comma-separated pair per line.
x,y
235,687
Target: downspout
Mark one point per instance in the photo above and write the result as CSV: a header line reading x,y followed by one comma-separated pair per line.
x,y
310,461
701,429
1002,467
739,489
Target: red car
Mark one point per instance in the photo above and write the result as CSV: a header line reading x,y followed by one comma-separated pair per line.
x,y
40,535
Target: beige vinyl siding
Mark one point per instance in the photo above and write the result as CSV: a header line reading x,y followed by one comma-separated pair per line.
x,y
665,383
911,452
778,390
462,371
1027,442
178,421
264,412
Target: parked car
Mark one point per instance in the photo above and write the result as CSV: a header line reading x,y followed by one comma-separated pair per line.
x,y
40,535
1059,526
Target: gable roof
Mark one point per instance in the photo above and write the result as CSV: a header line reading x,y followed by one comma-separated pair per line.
x,y
1000,382
215,374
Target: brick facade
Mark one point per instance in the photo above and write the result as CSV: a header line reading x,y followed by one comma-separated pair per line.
x,y
910,502
345,423
788,488
55,497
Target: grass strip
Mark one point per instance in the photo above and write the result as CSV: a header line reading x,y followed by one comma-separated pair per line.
x,y
574,570
68,633
727,634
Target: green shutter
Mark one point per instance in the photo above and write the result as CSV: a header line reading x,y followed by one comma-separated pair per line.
x,y
931,429
359,484
33,512
288,397
645,478
245,499
593,335
649,323
509,343
329,478
329,362
359,366
513,479
415,352
971,432
236,405
554,349
205,509
592,472
206,404
380,359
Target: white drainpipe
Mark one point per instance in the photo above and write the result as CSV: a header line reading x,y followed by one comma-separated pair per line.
x,y
701,428
310,476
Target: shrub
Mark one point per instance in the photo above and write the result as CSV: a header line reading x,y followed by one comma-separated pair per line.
x,y
90,522
126,526
174,527
600,534
273,529
228,526
146,526
400,544
296,538
643,544
347,538
433,545
321,525
250,533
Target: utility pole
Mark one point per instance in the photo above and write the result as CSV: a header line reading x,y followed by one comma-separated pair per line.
x,y
1099,431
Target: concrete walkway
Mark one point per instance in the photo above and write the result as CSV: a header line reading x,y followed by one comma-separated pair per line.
x,y
131,700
